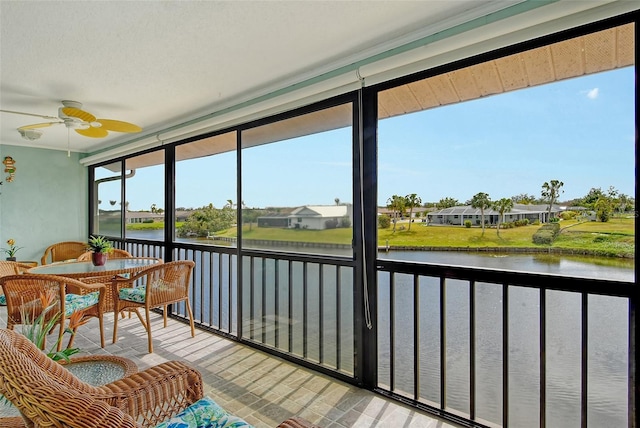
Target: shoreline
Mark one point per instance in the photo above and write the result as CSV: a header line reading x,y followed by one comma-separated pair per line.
x,y
518,250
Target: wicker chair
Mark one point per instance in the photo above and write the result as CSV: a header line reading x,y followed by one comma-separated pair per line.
x,y
62,251
157,286
47,394
116,253
23,293
11,268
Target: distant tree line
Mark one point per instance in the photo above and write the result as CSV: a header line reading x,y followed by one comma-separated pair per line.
x,y
604,204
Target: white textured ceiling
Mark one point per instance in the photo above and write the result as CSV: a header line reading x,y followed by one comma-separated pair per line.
x,y
156,63
160,63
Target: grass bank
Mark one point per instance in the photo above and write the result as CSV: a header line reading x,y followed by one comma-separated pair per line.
x,y
614,238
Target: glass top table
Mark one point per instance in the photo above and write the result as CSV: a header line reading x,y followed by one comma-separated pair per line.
x,y
96,370
87,269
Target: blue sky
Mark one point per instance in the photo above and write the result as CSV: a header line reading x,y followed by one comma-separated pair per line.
x,y
579,131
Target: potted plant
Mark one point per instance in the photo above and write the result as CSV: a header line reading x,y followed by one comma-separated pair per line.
x,y
100,247
12,250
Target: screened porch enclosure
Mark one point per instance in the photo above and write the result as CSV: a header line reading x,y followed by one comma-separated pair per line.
x,y
478,346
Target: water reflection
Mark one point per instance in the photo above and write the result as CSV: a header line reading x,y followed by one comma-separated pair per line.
x,y
571,265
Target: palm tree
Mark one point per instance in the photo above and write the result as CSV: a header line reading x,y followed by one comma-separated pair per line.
x,y
503,206
412,201
337,201
396,204
550,192
481,200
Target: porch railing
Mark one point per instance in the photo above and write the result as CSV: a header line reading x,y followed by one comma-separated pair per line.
x,y
480,347
494,348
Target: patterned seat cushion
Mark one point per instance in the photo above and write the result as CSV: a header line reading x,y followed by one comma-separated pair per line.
x,y
76,302
135,294
3,300
204,413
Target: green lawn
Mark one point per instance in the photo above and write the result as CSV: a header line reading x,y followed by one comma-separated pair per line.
x,y
613,238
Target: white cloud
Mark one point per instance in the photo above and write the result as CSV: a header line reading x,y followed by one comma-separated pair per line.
x,y
592,94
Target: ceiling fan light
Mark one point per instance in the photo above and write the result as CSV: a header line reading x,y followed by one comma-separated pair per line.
x,y
30,134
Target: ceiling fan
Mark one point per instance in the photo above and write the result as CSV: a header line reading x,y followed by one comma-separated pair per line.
x,y
73,117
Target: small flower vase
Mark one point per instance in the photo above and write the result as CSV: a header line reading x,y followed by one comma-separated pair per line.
x,y
11,259
99,259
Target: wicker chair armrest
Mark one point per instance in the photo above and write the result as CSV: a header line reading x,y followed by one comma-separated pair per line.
x,y
122,281
45,256
46,405
81,287
23,267
155,394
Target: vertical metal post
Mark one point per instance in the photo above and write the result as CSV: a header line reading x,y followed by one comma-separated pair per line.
x,y
169,202
305,311
584,369
416,337
365,238
338,318
321,313
505,355
263,302
239,260
634,365
252,311
276,284
443,344
392,337
634,319
202,287
543,358
93,206
472,350
290,308
230,294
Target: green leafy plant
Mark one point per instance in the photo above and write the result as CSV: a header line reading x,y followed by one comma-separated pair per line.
x,y
99,244
37,328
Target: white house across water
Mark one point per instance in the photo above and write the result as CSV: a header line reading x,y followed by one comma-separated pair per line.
x,y
458,215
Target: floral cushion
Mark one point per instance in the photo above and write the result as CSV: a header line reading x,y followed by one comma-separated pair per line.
x,y
76,302
204,413
135,294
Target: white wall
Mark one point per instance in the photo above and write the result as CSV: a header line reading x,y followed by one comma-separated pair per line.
x,y
46,202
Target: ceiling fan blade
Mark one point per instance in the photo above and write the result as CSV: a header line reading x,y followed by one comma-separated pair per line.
x,y
40,125
93,132
118,126
80,114
29,114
